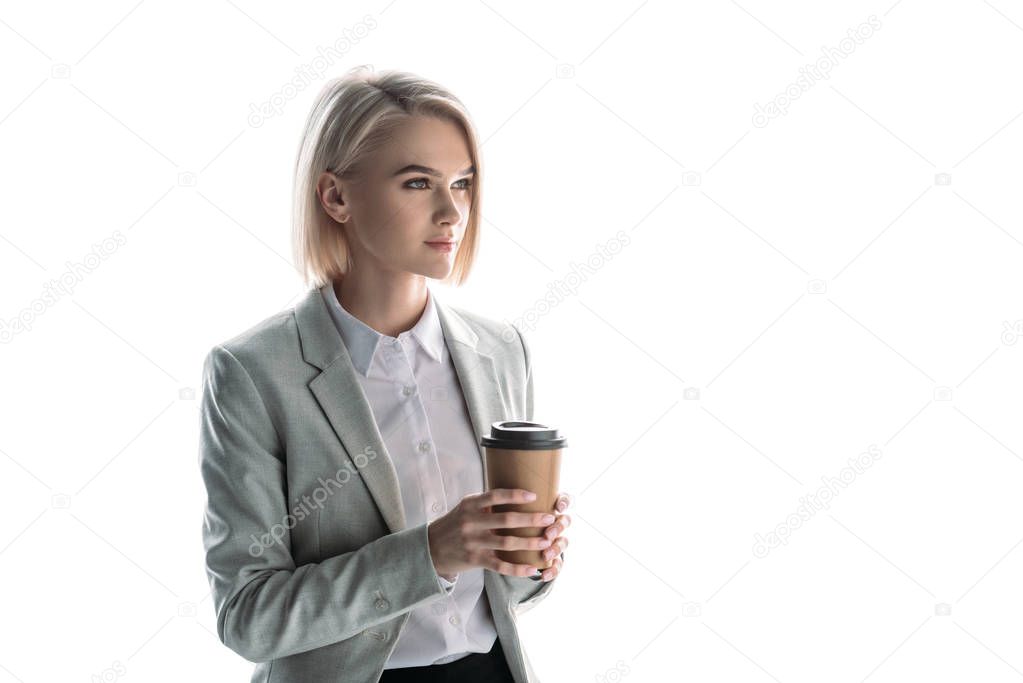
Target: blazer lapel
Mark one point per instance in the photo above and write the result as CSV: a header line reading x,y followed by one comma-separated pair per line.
x,y
476,375
340,395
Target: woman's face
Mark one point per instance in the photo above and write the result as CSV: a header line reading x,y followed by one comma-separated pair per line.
x,y
415,189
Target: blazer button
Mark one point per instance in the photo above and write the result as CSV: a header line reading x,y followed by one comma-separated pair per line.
x,y
382,604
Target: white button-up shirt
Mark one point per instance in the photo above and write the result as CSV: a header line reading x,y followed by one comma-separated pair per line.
x,y
418,406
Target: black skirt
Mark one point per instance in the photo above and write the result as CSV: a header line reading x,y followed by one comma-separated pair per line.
x,y
491,667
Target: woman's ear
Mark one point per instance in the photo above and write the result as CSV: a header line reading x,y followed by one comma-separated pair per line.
x,y
329,192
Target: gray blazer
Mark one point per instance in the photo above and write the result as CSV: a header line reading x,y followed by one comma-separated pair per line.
x,y
312,567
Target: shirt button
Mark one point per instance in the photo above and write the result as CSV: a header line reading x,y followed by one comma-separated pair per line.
x,y
424,446
436,507
407,389
453,619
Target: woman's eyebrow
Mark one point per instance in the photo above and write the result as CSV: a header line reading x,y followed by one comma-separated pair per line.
x,y
416,168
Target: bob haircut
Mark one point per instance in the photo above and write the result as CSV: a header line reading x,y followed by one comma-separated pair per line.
x,y
352,117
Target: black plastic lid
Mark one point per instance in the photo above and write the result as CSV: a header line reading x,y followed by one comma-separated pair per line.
x,y
523,436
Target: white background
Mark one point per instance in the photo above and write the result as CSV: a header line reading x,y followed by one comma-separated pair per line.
x,y
844,278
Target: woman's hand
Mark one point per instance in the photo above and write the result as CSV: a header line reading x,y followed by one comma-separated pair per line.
x,y
464,537
558,541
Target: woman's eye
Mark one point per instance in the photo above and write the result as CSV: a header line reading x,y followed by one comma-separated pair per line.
x,y
467,183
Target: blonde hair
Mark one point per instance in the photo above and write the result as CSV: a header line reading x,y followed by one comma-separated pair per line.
x,y
353,116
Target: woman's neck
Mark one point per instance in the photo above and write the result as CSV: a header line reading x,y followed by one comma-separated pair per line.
x,y
389,305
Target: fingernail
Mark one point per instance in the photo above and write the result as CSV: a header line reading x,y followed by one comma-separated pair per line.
x,y
547,519
530,495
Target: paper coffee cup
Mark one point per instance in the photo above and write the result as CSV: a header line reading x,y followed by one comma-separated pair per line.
x,y
524,455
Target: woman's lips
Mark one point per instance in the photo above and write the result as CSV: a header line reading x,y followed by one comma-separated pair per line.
x,y
442,246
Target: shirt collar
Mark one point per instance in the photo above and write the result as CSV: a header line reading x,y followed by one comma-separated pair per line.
x,y
362,340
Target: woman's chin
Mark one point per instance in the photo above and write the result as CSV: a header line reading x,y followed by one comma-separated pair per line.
x,y
436,271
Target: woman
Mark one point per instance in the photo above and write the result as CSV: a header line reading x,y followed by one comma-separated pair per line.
x,y
347,534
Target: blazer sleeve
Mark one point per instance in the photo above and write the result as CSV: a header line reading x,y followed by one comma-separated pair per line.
x,y
266,607
532,596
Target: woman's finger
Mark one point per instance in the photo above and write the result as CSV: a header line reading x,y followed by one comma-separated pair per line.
x,y
561,522
556,548
552,573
